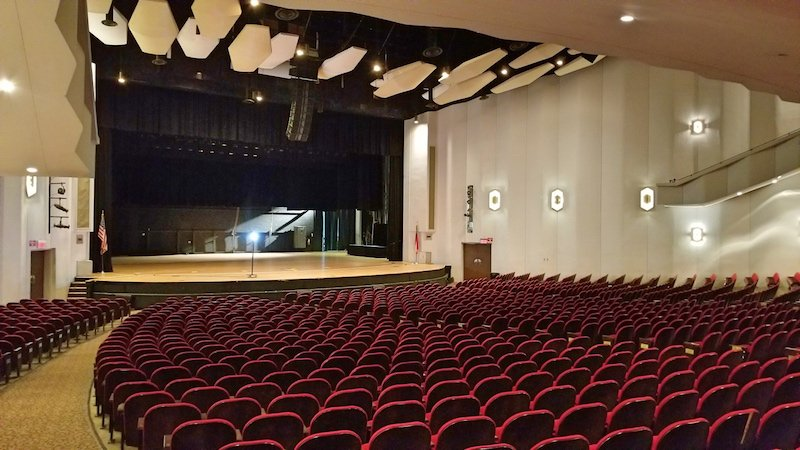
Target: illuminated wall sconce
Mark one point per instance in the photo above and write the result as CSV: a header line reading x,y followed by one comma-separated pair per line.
x,y
557,200
698,126
696,234
494,199
647,199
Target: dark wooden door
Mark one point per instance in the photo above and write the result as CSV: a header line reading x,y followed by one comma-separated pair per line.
x,y
477,260
37,274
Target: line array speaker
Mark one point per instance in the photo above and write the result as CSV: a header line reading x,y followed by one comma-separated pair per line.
x,y
301,112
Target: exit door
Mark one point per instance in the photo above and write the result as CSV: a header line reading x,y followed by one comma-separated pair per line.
x,y
37,274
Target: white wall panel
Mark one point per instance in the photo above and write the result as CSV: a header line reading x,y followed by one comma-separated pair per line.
x,y
601,135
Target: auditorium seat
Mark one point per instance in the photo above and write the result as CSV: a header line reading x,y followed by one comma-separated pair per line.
x,y
284,428
210,434
408,436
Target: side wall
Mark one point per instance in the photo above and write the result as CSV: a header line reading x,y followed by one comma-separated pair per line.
x,y
25,219
600,135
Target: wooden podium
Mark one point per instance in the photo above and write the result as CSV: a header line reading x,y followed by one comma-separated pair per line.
x,y
477,260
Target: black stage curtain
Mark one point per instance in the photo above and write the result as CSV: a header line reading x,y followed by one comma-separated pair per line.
x,y
144,178
165,112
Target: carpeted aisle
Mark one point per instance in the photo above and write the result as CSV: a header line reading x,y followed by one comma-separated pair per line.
x,y
47,407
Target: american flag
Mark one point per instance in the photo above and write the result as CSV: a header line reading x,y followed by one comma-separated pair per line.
x,y
101,234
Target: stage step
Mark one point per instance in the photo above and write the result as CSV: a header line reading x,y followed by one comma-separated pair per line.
x,y
77,289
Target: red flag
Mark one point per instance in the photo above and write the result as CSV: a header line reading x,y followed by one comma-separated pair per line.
x,y
101,234
416,240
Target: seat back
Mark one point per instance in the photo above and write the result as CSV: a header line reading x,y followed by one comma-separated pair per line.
x,y
683,435
573,442
161,420
525,429
209,434
717,401
778,427
237,411
734,431
505,404
756,394
639,438
284,428
408,436
632,413
453,407
674,408
586,420
464,432
340,440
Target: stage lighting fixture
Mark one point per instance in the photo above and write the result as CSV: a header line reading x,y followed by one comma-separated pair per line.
x,y
253,236
59,207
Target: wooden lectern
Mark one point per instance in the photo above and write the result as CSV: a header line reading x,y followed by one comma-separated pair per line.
x,y
477,260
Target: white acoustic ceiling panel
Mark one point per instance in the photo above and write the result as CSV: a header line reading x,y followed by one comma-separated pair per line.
x,y
404,79
250,48
98,6
464,89
216,17
153,26
577,64
523,79
536,54
283,48
573,52
194,44
117,35
341,63
475,66
282,71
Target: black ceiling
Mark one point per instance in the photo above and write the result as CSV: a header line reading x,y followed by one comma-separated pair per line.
x,y
330,32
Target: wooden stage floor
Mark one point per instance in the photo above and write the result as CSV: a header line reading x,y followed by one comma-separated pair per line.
x,y
223,267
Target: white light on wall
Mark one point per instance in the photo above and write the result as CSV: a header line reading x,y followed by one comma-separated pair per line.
x,y
627,18
696,234
697,126
31,169
7,86
253,236
647,199
494,199
557,200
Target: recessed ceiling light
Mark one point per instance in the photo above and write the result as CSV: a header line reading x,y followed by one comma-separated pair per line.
x,y
559,62
31,170
376,67
503,71
300,52
739,193
254,3
121,78
7,85
627,18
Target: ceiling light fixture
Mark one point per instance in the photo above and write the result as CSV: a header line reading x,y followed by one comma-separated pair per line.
x,y
627,18
121,78
560,62
254,3
445,74
159,61
300,51
31,169
258,96
416,119
7,85
503,71
377,67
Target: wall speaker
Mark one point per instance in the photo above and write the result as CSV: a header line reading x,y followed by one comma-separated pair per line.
x,y
301,112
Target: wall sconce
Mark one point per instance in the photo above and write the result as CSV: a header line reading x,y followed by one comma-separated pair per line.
x,y
494,199
697,234
697,126
647,199
557,200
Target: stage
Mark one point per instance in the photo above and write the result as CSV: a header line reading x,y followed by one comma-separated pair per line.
x,y
148,279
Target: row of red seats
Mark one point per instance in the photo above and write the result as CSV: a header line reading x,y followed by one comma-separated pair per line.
x,y
229,320
30,329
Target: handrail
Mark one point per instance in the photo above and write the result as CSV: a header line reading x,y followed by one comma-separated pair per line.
x,y
733,159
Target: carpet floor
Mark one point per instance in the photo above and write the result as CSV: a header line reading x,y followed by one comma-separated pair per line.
x,y
47,407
